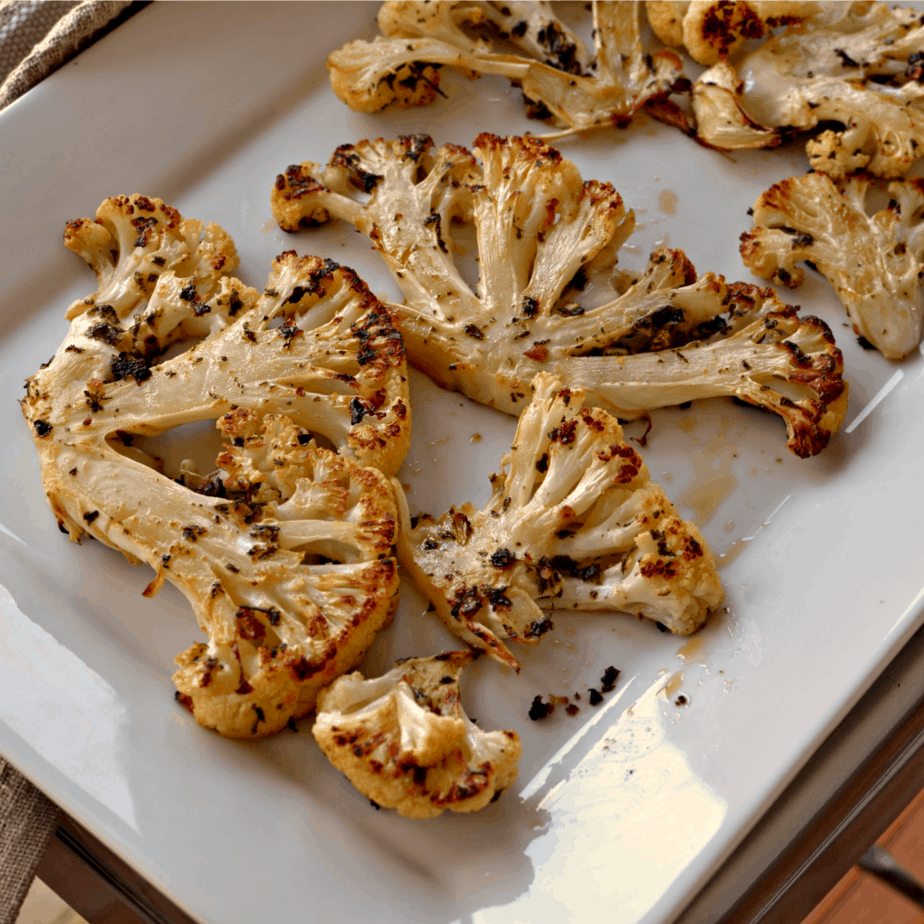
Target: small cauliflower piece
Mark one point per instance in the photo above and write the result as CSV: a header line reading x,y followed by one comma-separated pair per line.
x,y
314,354
574,522
874,262
852,63
547,244
404,741
561,80
713,30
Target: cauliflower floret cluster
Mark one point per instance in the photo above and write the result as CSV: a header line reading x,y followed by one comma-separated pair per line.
x,y
543,234
574,522
712,30
875,262
404,741
561,79
286,562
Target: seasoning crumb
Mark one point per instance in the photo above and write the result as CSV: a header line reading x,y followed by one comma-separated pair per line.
x,y
595,697
609,678
540,710
572,709
375,805
476,437
681,700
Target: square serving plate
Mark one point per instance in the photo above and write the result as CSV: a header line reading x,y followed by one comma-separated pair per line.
x,y
627,807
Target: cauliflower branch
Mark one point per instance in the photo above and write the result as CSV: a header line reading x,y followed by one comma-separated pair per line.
x,y
546,238
574,522
404,741
314,354
561,80
817,219
849,63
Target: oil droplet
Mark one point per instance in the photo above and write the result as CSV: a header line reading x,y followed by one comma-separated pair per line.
x,y
674,683
664,242
729,526
692,652
687,424
706,498
438,442
668,202
732,552
667,477
476,437
269,226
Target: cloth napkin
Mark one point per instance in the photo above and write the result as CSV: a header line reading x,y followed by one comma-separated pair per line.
x,y
36,38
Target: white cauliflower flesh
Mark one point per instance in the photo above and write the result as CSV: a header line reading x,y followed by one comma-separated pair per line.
x,y
404,741
561,79
857,64
542,234
315,354
875,262
574,522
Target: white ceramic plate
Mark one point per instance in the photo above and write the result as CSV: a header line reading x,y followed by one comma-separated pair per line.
x,y
617,809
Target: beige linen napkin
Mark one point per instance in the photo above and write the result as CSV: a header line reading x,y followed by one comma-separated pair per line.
x,y
27,821
36,38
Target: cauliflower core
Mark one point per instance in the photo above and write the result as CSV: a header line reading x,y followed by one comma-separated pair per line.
x,y
574,522
875,262
285,557
547,240
404,741
561,80
853,66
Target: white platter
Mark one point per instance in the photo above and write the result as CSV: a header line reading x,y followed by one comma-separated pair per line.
x,y
627,807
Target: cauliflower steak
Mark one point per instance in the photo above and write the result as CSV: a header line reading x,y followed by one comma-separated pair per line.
x,y
562,81
285,552
546,239
574,522
404,741
874,263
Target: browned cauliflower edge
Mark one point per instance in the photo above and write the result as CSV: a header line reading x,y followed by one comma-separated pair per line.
x,y
874,262
284,552
546,238
404,741
574,522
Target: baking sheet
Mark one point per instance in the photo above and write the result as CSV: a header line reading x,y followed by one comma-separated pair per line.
x,y
626,807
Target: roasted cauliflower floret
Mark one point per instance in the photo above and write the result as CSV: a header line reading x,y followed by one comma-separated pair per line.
x,y
547,240
314,354
574,522
849,63
874,262
134,240
561,80
712,30
404,741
